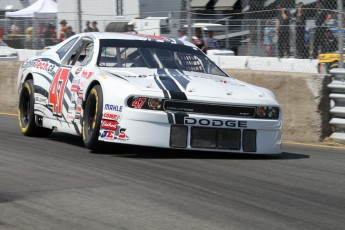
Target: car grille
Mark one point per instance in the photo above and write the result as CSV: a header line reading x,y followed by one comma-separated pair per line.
x,y
226,110
213,138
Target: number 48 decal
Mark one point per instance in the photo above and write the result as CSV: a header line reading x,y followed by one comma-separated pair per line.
x,y
57,90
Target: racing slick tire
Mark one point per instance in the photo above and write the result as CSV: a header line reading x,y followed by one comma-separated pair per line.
x,y
26,114
92,118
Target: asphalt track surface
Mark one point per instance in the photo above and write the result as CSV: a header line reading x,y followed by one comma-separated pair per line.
x,y
55,183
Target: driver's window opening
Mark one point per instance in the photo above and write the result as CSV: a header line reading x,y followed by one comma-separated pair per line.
x,y
153,57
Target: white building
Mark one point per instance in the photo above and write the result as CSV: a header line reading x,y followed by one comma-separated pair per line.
x,y
102,11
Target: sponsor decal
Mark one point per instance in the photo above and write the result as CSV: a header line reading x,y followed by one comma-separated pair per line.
x,y
139,102
82,84
41,100
122,136
116,108
29,63
77,71
71,108
74,88
70,117
76,81
44,65
112,116
173,108
108,134
119,134
87,74
109,124
215,122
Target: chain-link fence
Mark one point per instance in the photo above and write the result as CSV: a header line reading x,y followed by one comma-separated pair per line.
x,y
284,29
262,28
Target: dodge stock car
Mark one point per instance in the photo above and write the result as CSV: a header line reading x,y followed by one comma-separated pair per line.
x,y
144,90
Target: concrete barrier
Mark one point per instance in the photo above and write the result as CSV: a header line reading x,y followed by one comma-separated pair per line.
x,y
266,63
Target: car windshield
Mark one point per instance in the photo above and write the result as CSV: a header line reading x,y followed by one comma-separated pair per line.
x,y
149,54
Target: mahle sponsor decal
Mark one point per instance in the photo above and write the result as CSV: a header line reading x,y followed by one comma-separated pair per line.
x,y
117,108
215,122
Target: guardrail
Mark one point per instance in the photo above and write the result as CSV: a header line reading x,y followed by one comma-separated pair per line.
x,y
337,104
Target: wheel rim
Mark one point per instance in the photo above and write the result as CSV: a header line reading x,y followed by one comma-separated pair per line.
x,y
25,107
92,115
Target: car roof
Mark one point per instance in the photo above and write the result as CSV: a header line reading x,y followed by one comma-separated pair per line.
x,y
129,36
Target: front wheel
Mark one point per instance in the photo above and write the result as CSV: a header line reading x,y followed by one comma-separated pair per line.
x,y
26,114
92,118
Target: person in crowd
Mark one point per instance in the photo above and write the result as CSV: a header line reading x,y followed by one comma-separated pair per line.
x,y
130,28
14,29
62,34
49,35
88,27
94,27
199,41
182,36
1,33
268,38
28,37
330,43
300,17
323,16
69,32
211,42
283,31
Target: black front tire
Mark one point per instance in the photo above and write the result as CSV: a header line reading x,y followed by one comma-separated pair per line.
x,y
92,118
26,114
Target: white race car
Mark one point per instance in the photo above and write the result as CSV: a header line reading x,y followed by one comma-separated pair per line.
x,y
144,90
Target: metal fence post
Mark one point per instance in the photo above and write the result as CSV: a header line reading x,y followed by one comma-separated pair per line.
x,y
341,27
189,19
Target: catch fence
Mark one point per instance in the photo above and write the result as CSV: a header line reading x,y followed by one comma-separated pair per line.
x,y
280,30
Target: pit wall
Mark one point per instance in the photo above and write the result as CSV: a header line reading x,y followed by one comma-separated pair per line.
x,y
305,108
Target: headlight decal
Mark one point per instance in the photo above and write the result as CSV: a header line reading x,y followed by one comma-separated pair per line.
x,y
178,106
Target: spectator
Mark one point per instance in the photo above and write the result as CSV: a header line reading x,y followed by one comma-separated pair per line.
x,y
322,18
182,36
301,50
28,38
69,32
14,29
88,27
130,28
94,27
268,37
62,35
1,33
283,32
330,43
49,35
200,41
211,42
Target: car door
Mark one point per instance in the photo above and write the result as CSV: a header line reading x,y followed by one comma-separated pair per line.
x,y
65,93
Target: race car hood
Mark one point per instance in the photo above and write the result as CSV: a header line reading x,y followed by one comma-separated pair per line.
x,y
192,84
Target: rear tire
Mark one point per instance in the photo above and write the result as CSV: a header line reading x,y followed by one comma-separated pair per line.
x,y
92,118
26,114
